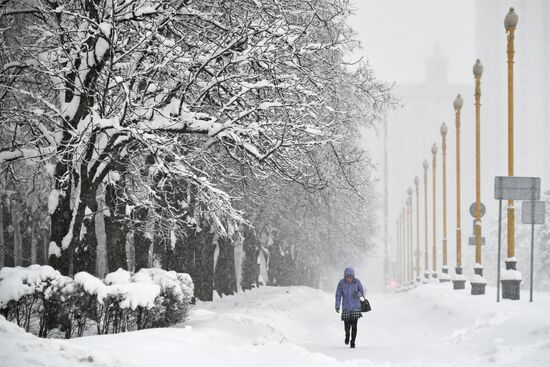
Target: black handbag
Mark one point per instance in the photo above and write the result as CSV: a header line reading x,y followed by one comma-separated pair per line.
x,y
365,305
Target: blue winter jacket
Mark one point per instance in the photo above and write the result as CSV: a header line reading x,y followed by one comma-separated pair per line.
x,y
348,293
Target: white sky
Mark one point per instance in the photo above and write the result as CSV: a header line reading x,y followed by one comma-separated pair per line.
x,y
398,35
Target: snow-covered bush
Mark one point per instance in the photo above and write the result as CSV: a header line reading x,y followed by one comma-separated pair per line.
x,y
40,299
176,291
22,293
67,307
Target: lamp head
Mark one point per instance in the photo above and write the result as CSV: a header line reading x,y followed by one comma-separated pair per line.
x,y
510,20
426,165
458,103
443,129
416,180
478,69
409,191
434,149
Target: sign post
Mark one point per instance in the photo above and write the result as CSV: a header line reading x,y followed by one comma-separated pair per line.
x,y
499,247
532,213
513,188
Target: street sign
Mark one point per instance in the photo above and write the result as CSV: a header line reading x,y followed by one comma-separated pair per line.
x,y
472,241
527,212
517,188
473,209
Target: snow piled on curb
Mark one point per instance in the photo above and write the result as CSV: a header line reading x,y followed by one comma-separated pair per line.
x,y
21,349
431,325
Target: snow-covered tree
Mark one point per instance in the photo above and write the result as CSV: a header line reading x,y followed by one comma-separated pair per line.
x,y
165,105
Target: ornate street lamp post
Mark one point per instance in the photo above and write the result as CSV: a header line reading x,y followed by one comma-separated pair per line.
x,y
510,288
426,166
399,248
434,260
458,280
410,229
404,245
444,269
416,181
478,282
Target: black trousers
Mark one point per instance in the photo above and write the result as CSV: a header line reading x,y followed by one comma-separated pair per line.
x,y
351,324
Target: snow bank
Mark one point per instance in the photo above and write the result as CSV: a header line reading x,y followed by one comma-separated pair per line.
x,y
431,325
21,349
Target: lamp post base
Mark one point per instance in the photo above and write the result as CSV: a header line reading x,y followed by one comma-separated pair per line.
x,y
511,287
434,274
427,275
444,277
478,283
478,288
459,282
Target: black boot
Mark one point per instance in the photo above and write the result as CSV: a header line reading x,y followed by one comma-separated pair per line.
x,y
353,333
347,327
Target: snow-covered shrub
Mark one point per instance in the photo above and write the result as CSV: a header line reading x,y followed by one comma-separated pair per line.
x,y
176,291
133,304
40,299
57,308
22,293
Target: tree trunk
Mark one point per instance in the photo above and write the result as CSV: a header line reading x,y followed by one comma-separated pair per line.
x,y
85,252
60,222
17,240
34,228
8,237
115,231
101,253
45,245
2,243
162,249
143,240
26,239
275,269
178,258
130,252
204,266
188,260
250,267
225,282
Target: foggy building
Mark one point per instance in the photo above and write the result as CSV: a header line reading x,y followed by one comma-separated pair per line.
x,y
425,106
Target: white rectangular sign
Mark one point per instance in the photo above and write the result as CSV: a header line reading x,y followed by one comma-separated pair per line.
x,y
517,188
527,212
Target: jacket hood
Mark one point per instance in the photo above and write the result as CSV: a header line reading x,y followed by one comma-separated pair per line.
x,y
348,272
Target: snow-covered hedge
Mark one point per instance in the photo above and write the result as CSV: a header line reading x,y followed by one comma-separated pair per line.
x,y
41,300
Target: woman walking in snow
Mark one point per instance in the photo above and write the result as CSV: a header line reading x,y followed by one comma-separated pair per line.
x,y
349,293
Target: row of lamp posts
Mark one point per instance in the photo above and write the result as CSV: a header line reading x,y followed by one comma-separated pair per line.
x,y
410,258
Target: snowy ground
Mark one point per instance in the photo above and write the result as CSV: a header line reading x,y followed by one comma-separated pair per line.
x,y
429,326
